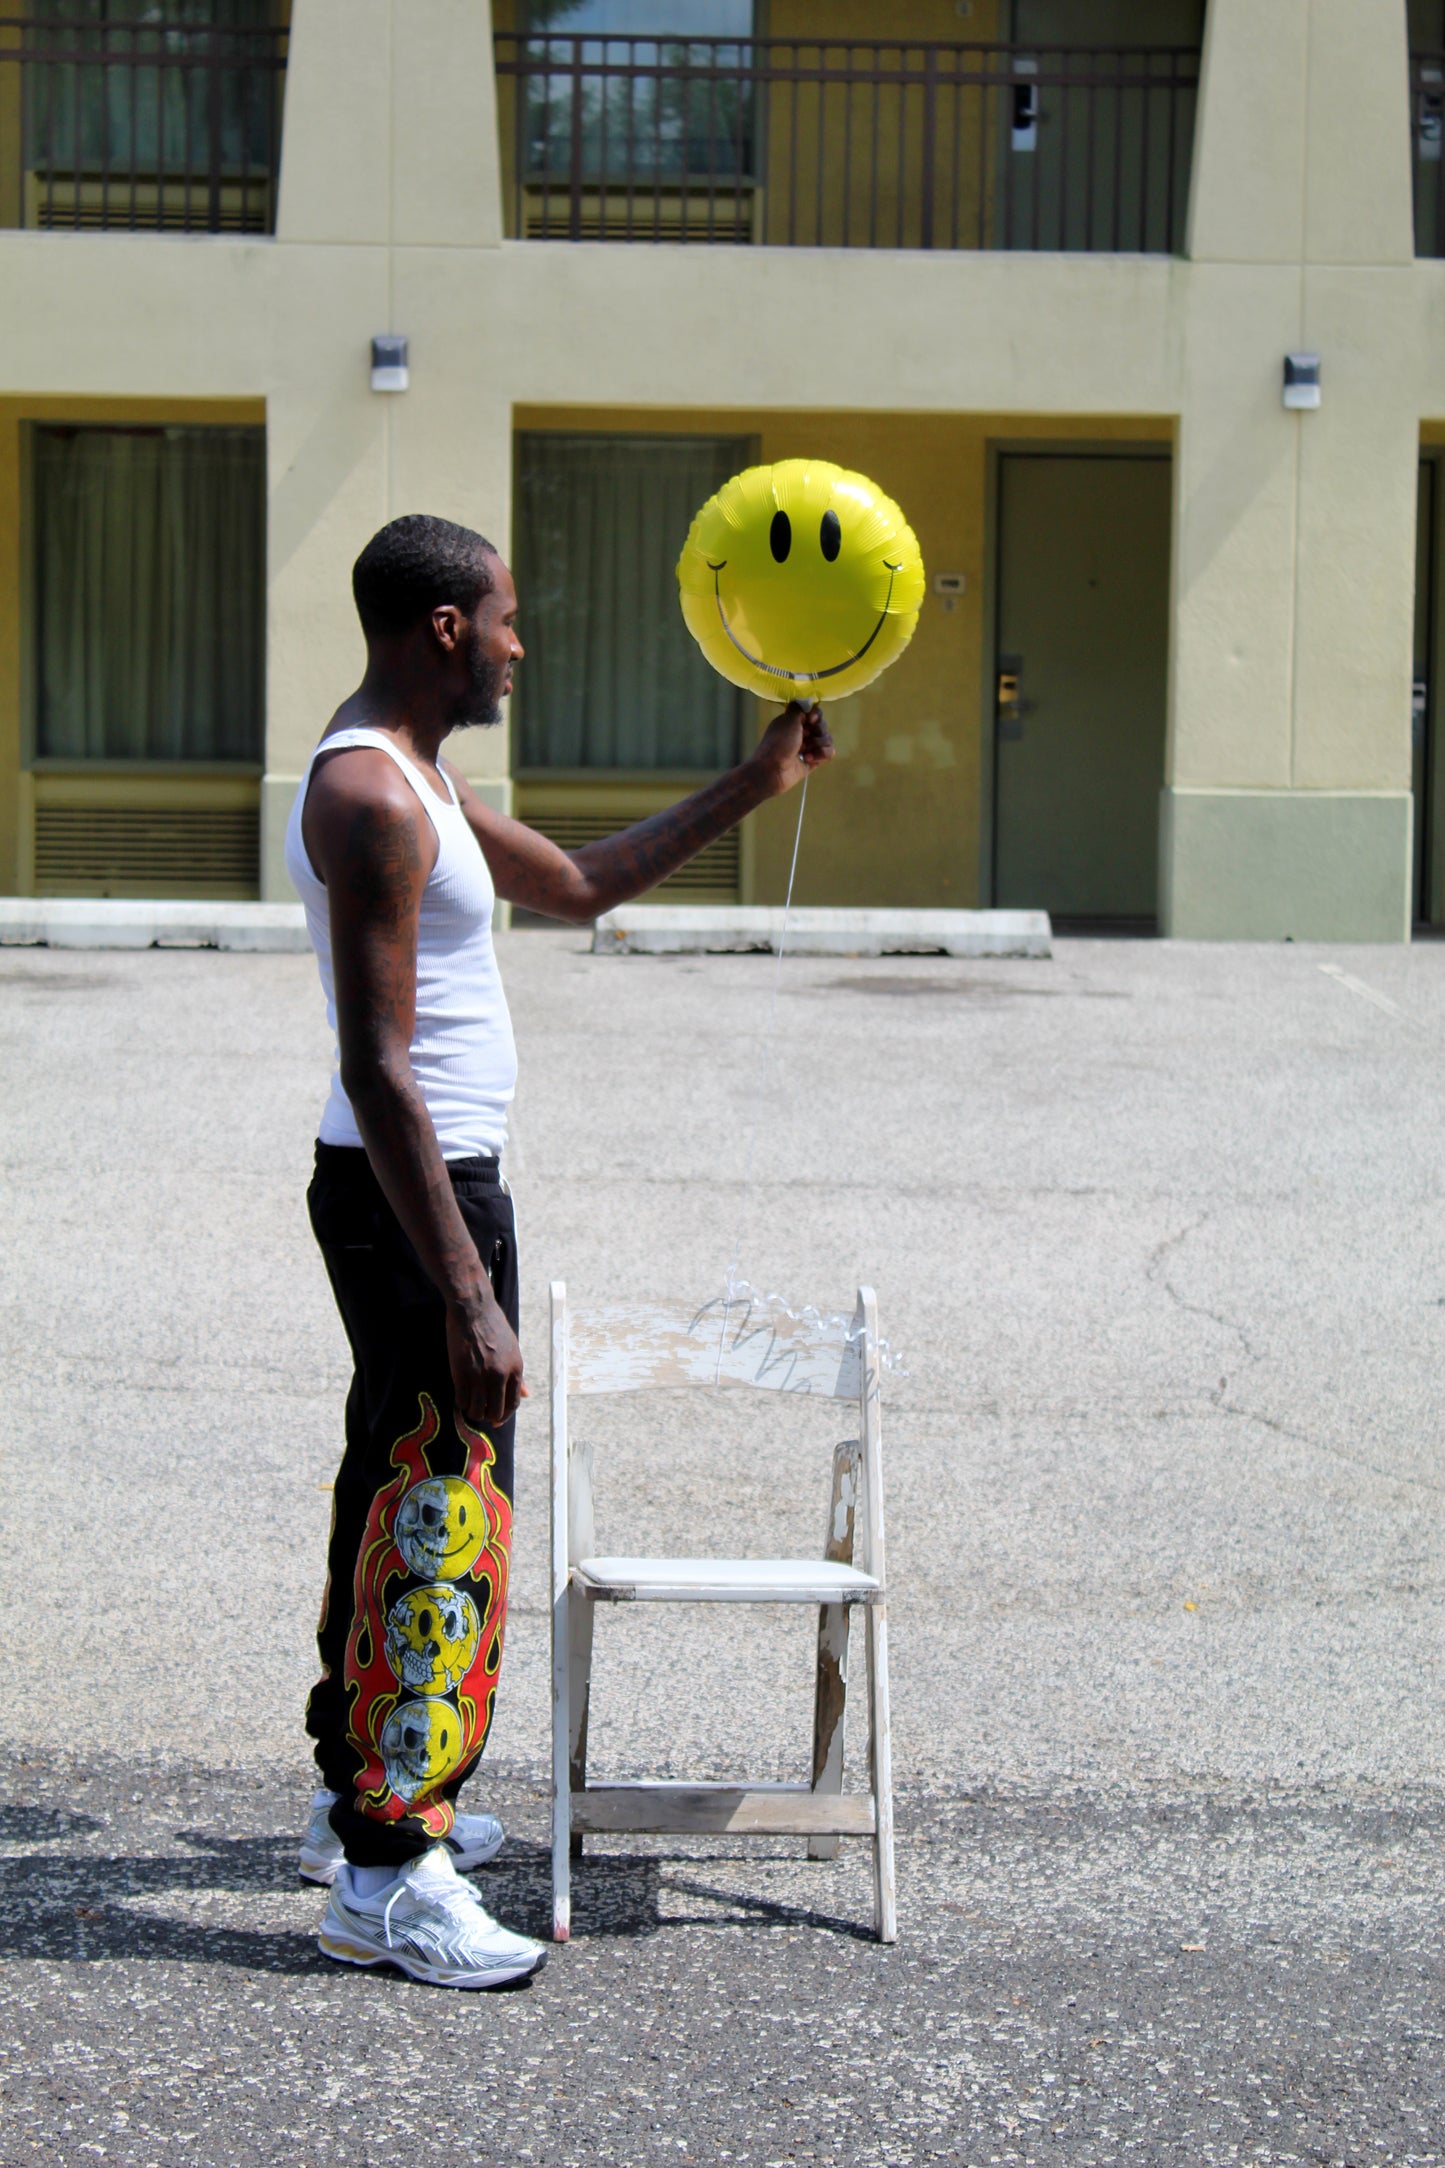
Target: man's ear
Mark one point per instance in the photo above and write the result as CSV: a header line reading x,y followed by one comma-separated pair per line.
x,y
446,624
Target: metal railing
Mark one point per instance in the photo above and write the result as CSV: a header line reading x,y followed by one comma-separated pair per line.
x,y
1427,134
169,127
847,144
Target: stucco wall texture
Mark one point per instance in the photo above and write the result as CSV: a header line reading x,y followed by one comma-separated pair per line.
x,y
1293,534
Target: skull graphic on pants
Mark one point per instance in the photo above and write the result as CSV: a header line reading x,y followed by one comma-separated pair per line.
x,y
421,1744
432,1637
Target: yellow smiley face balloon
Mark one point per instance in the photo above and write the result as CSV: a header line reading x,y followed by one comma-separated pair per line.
x,y
800,581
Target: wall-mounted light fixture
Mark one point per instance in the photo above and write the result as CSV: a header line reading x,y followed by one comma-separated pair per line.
x,y
1302,380
389,371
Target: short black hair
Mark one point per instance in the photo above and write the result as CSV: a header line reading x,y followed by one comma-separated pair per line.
x,y
413,565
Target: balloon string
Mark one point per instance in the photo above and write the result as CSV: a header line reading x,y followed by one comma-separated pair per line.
x,y
761,1085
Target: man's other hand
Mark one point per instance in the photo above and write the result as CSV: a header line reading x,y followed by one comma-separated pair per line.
x,y
794,743
486,1364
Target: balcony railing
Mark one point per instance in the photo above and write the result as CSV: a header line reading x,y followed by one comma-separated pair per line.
x,y
847,144
165,126
1427,131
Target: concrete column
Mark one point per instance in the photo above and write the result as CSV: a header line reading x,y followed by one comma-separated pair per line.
x,y
1286,809
390,219
390,130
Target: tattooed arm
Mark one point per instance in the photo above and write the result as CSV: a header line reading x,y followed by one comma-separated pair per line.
x,y
579,885
374,848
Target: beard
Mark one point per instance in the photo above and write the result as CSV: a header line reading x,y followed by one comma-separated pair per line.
x,y
480,706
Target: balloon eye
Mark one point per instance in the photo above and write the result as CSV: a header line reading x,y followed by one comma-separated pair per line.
x,y
830,536
780,536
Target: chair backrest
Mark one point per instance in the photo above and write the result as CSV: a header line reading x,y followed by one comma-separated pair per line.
x,y
635,1347
628,1347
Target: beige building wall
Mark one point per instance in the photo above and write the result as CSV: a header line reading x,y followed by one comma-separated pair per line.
x,y
1286,808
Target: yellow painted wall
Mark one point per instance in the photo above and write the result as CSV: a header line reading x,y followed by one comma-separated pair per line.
x,y
868,179
16,803
10,122
899,815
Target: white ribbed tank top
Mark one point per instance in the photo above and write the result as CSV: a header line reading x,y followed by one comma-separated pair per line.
x,y
463,1055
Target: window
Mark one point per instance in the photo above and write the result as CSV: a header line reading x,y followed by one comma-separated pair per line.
x,y
644,18
661,88
612,677
152,113
148,579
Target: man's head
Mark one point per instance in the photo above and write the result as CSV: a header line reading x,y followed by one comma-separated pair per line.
x,y
436,597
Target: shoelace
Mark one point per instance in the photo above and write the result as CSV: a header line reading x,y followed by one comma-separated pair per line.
x,y
453,1898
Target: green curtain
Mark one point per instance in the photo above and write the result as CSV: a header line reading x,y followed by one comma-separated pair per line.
x,y
98,113
149,575
613,678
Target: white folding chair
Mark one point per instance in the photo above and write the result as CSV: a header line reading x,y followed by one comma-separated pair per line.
x,y
629,1348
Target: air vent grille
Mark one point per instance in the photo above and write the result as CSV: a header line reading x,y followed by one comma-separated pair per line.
x,y
729,217
116,203
715,868
135,849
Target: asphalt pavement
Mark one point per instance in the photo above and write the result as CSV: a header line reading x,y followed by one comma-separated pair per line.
x,y
1157,1236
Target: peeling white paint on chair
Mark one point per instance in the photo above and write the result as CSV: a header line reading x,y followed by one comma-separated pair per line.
x,y
632,1347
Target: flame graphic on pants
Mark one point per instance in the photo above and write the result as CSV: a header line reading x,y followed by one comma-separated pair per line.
x,y
425,1645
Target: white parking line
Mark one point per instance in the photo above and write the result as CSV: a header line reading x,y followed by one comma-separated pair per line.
x,y
1358,986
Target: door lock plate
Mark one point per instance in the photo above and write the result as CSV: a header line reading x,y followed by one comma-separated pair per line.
x,y
1008,703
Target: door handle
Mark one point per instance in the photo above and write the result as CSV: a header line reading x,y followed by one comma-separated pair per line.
x,y
1010,706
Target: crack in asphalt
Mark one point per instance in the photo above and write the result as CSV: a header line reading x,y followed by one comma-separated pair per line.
x,y
1154,1271
1322,1445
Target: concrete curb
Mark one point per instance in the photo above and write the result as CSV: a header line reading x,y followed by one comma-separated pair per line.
x,y
658,929
84,922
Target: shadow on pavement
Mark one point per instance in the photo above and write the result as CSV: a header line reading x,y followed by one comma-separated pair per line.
x,y
39,1825
71,1909
619,1896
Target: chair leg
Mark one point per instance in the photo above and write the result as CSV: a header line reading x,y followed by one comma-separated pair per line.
x,y
830,1698
579,1694
880,1756
830,1709
561,1785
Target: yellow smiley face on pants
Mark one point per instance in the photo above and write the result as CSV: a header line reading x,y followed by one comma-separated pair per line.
x,y
801,581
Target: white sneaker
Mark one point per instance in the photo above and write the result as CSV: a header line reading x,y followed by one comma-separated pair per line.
x,y
428,1923
474,1839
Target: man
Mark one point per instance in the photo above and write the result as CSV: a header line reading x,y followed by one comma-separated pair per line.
x,y
398,862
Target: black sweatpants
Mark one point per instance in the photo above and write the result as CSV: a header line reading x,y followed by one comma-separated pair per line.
x,y
416,1590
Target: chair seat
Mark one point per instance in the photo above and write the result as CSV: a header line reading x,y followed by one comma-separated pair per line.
x,y
724,1580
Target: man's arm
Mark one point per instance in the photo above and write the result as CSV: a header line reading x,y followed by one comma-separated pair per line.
x,y
374,848
579,885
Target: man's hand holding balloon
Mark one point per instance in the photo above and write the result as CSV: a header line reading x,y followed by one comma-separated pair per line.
x,y
793,745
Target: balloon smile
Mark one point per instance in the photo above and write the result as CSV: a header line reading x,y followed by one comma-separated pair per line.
x,y
800,677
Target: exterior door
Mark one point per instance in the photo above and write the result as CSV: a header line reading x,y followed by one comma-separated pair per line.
x,y
1082,664
1421,778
